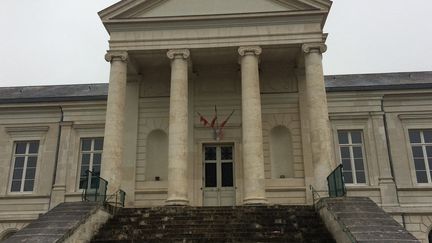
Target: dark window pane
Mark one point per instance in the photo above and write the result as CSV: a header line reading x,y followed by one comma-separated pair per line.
x,y
343,137
414,136
210,175
16,186
429,151
346,164
417,152
419,164
356,137
359,164
19,162
86,144
348,177
96,169
357,152
34,147
83,170
28,185
20,148
17,174
345,152
97,159
421,177
227,174
226,153
361,178
83,182
427,136
30,173
85,159
98,145
31,161
210,153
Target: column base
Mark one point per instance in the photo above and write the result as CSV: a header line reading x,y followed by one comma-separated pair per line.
x,y
177,202
388,192
256,201
57,195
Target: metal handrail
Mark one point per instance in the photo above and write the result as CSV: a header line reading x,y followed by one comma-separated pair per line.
x,y
116,201
95,188
335,183
315,195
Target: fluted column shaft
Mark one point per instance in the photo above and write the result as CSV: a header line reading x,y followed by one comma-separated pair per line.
x,y
253,158
178,129
112,157
316,99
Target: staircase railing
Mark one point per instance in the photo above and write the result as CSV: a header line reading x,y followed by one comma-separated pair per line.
x,y
94,188
116,201
336,184
315,195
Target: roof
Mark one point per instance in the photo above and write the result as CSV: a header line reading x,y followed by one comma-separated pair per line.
x,y
51,93
379,81
334,83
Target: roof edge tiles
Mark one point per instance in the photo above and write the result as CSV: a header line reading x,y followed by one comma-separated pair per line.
x,y
334,83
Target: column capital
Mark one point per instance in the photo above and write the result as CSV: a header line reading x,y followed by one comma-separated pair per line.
x,y
116,56
249,50
178,53
314,47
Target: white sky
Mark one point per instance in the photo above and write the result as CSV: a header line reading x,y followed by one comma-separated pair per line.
x,y
64,41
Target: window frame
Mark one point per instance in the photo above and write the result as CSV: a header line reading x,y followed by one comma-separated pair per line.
x,y
423,145
91,152
350,145
26,156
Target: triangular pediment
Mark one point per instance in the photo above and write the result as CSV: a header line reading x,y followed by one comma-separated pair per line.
x,y
178,8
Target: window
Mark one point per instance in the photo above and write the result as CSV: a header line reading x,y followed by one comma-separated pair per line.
x,y
421,145
24,166
91,156
351,154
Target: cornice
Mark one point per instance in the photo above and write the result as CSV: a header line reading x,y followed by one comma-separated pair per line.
x,y
127,8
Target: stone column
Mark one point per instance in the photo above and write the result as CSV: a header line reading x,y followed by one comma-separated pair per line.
x,y
178,129
316,104
253,158
112,157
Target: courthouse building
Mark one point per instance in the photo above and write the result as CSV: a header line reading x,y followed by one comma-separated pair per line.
x,y
219,103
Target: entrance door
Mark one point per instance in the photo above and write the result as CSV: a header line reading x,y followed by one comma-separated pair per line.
x,y
218,173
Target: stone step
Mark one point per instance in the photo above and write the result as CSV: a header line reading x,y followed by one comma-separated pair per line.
x,y
216,224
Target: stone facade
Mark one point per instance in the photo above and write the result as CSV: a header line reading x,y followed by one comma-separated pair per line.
x,y
172,63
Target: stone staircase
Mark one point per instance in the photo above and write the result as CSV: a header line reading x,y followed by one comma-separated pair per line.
x,y
215,224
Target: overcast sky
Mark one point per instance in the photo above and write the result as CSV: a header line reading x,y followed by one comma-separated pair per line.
x,y
64,41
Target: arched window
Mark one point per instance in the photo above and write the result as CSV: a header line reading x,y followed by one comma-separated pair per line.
x,y
157,156
430,236
281,154
7,234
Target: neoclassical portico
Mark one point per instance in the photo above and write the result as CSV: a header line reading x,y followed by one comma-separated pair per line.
x,y
254,182
185,63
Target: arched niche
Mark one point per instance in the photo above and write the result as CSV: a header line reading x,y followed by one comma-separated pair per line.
x,y
281,153
157,156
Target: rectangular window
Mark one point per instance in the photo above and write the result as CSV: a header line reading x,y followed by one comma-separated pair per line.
x,y
421,147
91,156
351,154
24,166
